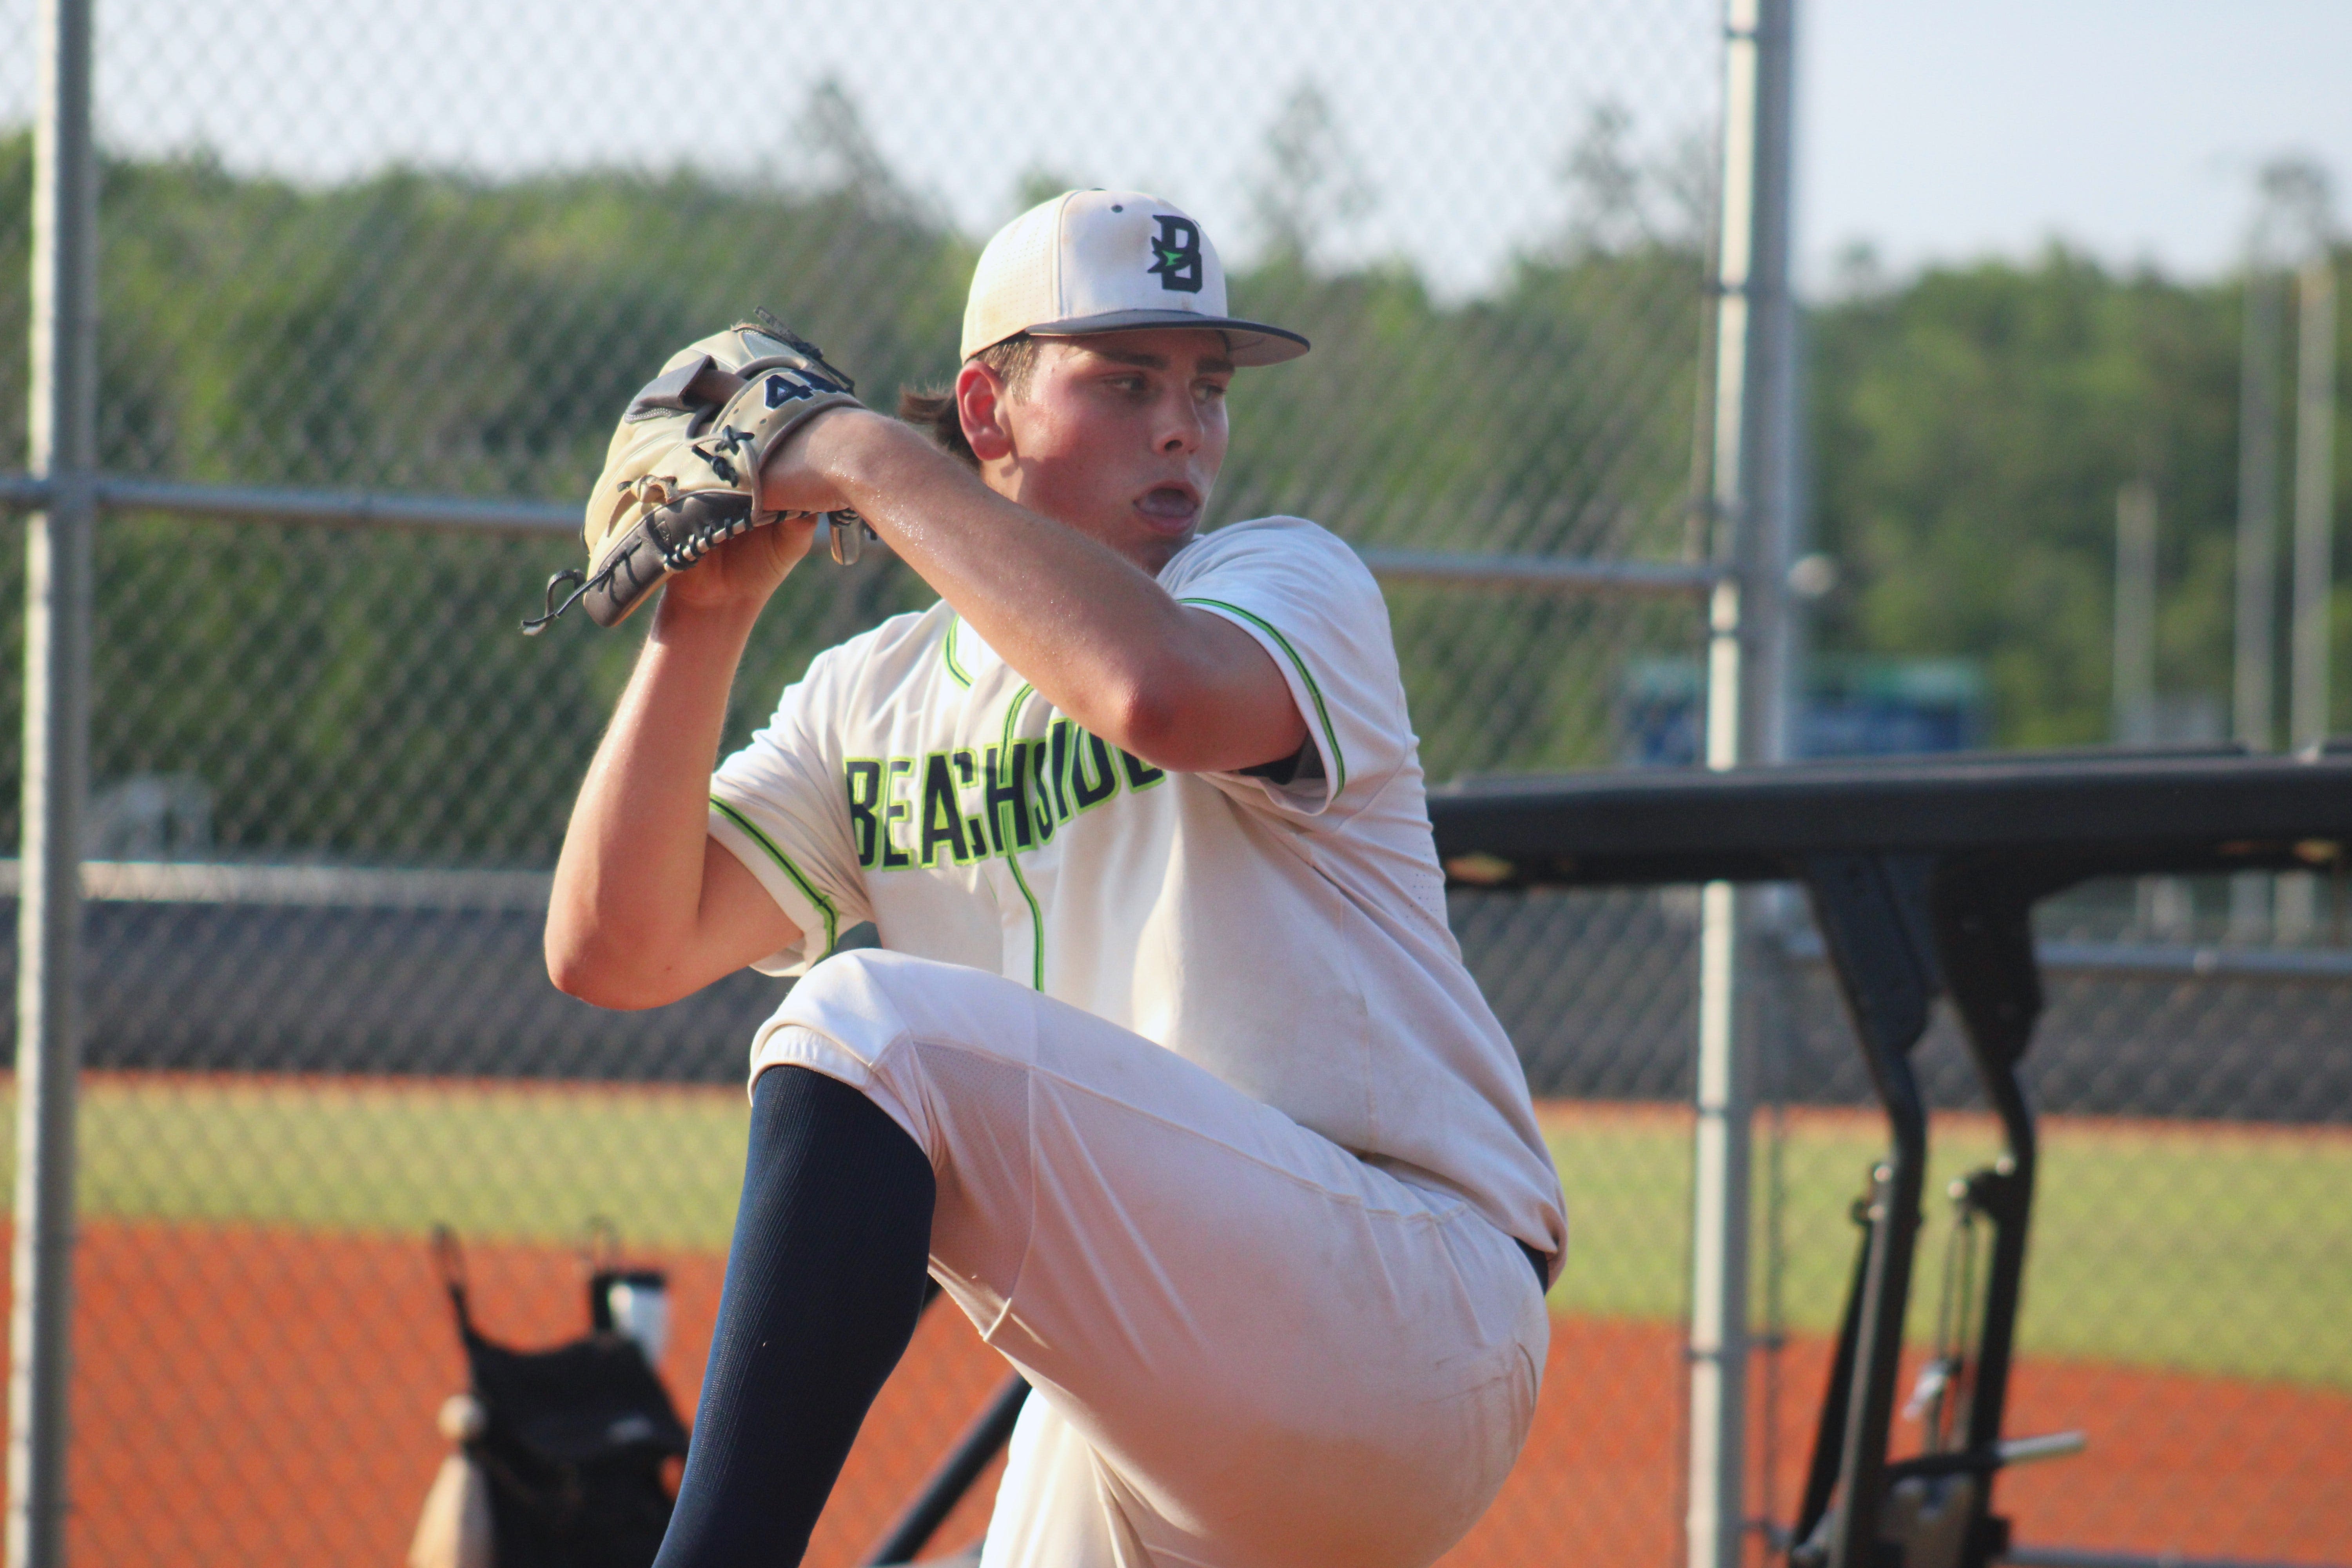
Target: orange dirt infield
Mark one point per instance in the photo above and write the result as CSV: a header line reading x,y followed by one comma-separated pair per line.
x,y
246,1395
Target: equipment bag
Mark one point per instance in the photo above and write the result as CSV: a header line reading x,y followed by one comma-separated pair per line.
x,y
569,1443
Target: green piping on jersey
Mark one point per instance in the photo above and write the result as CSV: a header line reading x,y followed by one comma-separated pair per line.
x,y
1012,862
1330,736
808,888
947,651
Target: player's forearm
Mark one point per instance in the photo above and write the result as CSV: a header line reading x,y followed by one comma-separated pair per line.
x,y
1100,640
623,926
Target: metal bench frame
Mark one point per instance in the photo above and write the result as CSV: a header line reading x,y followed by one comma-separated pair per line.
x,y
1922,876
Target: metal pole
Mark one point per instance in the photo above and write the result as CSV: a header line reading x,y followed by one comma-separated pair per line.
x,y
63,449
2251,696
2257,617
2161,902
2314,568
1748,652
2134,721
2314,486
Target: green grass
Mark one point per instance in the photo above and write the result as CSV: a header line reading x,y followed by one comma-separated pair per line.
x,y
2189,1247
522,1163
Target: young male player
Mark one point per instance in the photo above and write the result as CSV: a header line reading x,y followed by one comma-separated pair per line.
x,y
1169,1070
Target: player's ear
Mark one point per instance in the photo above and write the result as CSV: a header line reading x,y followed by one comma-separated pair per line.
x,y
980,405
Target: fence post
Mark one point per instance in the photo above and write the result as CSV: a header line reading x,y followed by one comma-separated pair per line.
x,y
1749,661
62,416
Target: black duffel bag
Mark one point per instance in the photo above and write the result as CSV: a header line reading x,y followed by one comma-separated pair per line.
x,y
571,1442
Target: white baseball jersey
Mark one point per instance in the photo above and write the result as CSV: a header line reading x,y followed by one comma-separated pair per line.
x,y
1289,938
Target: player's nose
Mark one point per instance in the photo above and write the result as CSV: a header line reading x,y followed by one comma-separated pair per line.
x,y
1181,424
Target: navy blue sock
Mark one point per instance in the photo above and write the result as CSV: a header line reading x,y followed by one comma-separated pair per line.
x,y
825,1283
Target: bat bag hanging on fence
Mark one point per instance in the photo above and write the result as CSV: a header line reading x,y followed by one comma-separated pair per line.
x,y
560,1450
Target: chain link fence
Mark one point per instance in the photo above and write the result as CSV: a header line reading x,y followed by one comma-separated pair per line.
x,y
432,251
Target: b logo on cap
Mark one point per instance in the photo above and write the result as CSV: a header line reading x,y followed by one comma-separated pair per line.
x,y
1179,252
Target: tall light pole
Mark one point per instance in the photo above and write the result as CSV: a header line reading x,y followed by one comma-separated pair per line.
x,y
2293,218
2256,627
2309,633
2314,508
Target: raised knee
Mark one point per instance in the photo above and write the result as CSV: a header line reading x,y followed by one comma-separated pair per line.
x,y
867,1000
865,997
858,976
836,968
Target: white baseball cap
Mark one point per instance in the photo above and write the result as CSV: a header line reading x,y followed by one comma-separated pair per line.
x,y
1108,262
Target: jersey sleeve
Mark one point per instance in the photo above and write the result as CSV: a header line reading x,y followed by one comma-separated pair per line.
x,y
779,806
1310,602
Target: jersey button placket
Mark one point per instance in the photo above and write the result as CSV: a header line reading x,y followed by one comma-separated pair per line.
x,y
1009,807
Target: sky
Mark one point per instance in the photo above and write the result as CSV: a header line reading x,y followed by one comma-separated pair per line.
x,y
2131,129
1933,132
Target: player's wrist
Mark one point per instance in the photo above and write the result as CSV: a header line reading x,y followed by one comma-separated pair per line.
x,y
694,614
856,452
803,473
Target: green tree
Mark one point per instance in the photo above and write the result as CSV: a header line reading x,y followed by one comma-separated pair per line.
x,y
1969,430
364,694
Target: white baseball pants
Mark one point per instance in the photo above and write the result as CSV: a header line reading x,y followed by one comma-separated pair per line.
x,y
1250,1349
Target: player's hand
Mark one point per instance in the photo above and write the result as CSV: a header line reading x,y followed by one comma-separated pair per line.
x,y
743,572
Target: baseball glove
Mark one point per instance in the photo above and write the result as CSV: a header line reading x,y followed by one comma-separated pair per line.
x,y
682,474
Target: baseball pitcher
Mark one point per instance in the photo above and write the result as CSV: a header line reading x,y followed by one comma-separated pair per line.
x,y
1167,1068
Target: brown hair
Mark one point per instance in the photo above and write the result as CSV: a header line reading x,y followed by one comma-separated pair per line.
x,y
935,412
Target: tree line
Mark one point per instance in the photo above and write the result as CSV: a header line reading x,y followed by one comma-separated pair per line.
x,y
417,330
1969,429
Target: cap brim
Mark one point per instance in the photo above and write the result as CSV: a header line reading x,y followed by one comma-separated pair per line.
x,y
1249,342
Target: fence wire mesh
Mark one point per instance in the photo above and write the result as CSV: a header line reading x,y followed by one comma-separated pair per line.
x,y
433,250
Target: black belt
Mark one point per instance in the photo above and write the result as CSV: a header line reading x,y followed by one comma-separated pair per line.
x,y
1542,1267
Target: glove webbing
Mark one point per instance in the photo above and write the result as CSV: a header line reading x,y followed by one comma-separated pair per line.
x,y
849,532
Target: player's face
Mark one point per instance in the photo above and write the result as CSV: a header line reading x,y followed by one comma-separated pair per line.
x,y
1120,437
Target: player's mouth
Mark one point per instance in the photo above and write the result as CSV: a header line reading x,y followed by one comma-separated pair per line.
x,y
1169,509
